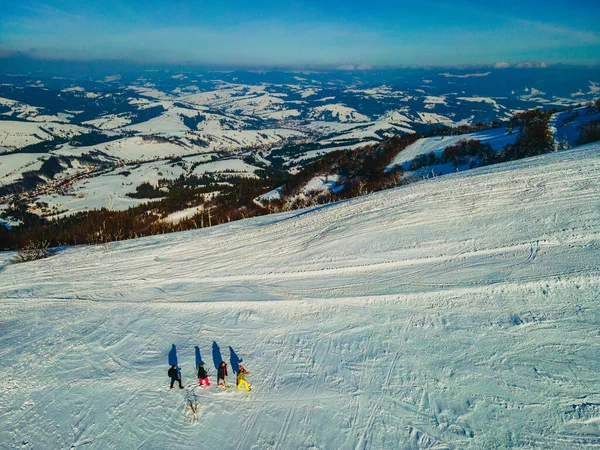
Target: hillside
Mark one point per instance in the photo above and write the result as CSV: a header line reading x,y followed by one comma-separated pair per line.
x,y
66,141
458,312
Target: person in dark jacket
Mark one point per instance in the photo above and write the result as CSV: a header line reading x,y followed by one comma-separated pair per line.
x,y
202,376
174,374
222,375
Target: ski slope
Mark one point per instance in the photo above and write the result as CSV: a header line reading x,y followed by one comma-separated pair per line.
x,y
459,312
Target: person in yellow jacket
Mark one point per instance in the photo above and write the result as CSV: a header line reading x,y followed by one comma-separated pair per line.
x,y
241,378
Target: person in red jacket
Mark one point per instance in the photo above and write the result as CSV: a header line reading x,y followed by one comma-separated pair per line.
x,y
202,376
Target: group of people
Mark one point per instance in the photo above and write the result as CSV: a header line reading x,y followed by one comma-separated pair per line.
x,y
175,376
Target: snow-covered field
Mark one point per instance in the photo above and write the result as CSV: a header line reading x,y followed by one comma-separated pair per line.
x,y
109,190
132,149
15,134
460,312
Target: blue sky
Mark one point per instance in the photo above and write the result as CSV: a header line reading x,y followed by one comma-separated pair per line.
x,y
303,32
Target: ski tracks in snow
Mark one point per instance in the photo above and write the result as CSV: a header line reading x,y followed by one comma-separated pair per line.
x,y
456,313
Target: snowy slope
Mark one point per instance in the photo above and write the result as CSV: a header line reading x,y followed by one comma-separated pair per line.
x,y
565,126
323,151
460,312
12,166
19,134
498,138
132,149
340,112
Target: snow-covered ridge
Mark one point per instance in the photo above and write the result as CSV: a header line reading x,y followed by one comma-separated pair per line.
x,y
460,312
340,112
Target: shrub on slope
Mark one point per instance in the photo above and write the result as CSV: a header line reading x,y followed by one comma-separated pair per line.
x,y
590,132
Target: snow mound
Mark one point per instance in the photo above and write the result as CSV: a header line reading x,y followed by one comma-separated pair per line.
x,y
460,312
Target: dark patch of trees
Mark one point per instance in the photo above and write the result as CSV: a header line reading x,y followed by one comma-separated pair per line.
x,y
143,115
590,132
192,122
30,180
462,129
43,146
92,138
457,154
80,140
534,136
363,168
146,190
53,166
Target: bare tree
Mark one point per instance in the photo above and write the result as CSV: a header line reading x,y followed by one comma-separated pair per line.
x,y
34,249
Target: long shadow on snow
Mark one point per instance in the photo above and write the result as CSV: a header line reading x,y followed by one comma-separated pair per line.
x,y
217,358
173,359
173,356
235,360
198,357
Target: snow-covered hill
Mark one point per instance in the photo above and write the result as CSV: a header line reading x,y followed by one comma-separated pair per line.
x,y
459,312
566,125
496,137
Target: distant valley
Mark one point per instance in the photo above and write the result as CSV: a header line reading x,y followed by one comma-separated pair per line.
x,y
71,145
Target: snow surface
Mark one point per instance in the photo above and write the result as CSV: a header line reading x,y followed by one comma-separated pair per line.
x,y
186,213
12,166
341,112
109,190
432,100
498,138
110,121
328,183
231,166
431,118
460,312
15,134
133,148
489,100
372,130
274,194
565,126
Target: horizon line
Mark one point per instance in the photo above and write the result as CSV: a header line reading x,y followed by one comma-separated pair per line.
x,y
23,57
